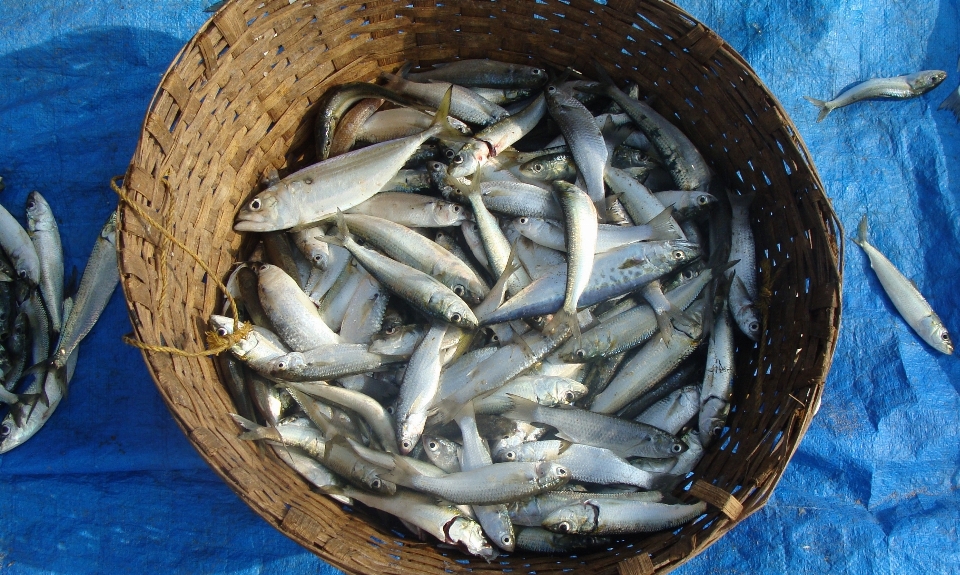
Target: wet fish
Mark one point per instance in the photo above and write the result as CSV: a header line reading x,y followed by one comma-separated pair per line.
x,y
898,88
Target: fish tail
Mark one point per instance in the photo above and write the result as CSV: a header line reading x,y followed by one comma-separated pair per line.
x,y
665,325
466,412
255,431
564,317
523,409
342,230
505,159
441,124
824,107
741,200
861,238
663,227
402,473
393,81
605,78
405,69
952,103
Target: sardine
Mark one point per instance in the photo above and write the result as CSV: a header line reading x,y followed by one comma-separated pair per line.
x,y
42,228
897,88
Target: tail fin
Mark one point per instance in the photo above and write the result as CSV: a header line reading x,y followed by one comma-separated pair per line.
x,y
663,226
405,69
393,81
952,103
441,126
523,409
342,230
505,159
402,474
861,238
604,78
255,431
824,107
564,318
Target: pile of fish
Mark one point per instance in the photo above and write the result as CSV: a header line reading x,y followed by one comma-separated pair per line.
x,y
40,329
501,308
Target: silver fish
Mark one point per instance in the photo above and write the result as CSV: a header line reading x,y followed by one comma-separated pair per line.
x,y
583,138
17,245
616,517
483,73
42,228
296,318
898,88
421,383
905,296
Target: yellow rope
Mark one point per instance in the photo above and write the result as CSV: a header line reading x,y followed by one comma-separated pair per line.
x,y
216,342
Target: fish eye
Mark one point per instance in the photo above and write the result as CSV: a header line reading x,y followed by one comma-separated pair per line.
x,y
456,209
390,330
222,332
688,274
523,220
308,181
569,396
945,336
459,290
31,204
536,71
561,472
432,446
405,444
5,430
563,527
456,317
390,410
281,364
537,167
458,159
495,338
717,430
318,258
255,204
506,540
580,354
449,154
375,484
22,274
677,254
262,268
551,89
702,200
677,448
754,326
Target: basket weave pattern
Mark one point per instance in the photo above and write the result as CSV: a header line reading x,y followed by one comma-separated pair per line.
x,y
239,100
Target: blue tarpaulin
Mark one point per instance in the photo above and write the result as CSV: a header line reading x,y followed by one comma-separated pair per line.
x,y
111,485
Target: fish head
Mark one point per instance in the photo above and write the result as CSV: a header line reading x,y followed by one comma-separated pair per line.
x,y
39,214
12,434
468,535
747,318
442,452
265,213
410,430
467,161
454,309
925,80
448,213
519,94
578,518
109,230
564,391
286,363
938,336
551,474
682,252
397,339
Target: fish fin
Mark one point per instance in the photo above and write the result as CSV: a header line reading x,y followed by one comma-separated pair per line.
x,y
861,238
564,445
952,103
665,326
663,227
561,318
522,409
505,159
261,433
465,412
22,410
604,79
402,473
824,108
393,81
342,230
447,132
405,69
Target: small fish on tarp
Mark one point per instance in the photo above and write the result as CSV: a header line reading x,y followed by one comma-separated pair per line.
x,y
897,88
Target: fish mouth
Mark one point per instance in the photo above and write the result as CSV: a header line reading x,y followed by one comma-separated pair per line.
x,y
252,226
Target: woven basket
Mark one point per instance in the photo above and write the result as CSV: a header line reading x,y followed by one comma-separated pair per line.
x,y
239,101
